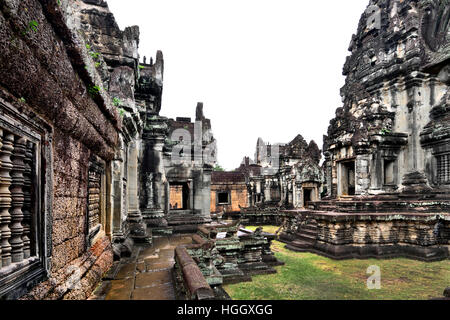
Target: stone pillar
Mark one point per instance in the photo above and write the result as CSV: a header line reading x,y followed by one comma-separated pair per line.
x,y
117,193
249,196
202,194
134,212
153,174
167,198
414,105
362,174
283,190
298,196
415,180
267,190
376,171
206,192
290,190
328,174
138,229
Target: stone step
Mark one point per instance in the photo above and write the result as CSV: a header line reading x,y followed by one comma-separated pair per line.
x,y
300,244
187,228
306,237
297,249
310,227
163,231
308,233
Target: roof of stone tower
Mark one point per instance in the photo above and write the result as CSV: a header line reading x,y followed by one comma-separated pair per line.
x,y
394,38
299,141
249,168
294,149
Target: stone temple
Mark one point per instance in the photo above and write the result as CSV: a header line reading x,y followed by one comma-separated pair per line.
x,y
387,149
100,191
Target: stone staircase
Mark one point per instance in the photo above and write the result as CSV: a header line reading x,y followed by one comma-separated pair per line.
x,y
305,237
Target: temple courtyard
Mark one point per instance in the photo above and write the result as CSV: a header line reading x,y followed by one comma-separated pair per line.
x,y
104,197
307,276
148,275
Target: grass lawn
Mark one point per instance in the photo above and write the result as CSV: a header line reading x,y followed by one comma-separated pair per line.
x,y
307,276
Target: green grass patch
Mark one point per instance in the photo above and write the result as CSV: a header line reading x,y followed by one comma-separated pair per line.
x,y
307,276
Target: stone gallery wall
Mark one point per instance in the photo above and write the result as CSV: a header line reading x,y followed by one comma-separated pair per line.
x,y
238,195
234,185
44,76
86,164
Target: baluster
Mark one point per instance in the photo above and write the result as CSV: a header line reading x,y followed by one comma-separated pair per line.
x,y
1,145
32,150
5,196
27,201
17,199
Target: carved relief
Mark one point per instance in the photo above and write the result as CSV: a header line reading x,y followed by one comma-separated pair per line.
x,y
436,23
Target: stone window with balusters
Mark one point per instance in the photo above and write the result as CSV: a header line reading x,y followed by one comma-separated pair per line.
x,y
443,168
24,203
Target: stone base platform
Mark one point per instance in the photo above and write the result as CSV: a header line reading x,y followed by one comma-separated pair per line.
x,y
339,235
374,252
177,222
260,216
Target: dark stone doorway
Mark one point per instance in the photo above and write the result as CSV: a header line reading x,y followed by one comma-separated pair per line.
x,y
179,196
307,196
347,178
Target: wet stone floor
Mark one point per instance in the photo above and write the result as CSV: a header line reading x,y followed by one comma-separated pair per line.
x,y
146,275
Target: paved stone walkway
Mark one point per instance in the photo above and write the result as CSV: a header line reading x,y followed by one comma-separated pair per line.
x,y
146,275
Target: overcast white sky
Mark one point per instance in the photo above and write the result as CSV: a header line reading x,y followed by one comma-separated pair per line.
x,y
262,68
